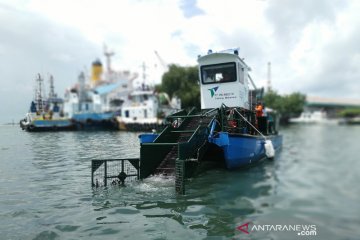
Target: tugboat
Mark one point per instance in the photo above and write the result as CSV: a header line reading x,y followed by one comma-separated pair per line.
x,y
46,114
230,130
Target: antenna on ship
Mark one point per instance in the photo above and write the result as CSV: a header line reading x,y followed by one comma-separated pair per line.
x,y
144,75
52,92
108,55
39,100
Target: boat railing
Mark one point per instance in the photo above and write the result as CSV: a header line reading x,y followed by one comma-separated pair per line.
x,y
238,120
251,125
190,151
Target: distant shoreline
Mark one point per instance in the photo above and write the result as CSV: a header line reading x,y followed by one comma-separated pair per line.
x,y
7,124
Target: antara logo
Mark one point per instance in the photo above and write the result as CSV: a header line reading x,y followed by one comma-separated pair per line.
x,y
213,90
244,228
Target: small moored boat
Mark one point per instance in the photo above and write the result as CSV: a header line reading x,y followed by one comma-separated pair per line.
x,y
46,114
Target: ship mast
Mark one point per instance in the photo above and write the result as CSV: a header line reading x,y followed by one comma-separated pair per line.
x,y
52,92
144,75
108,55
39,100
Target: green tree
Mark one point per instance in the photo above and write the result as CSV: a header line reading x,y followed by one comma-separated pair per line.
x,y
350,112
182,82
287,105
273,100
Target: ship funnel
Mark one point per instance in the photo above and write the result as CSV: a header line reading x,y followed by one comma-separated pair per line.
x,y
96,72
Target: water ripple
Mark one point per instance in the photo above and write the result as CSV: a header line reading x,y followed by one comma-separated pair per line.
x,y
46,193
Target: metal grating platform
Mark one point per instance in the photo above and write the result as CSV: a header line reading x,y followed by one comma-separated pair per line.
x,y
114,171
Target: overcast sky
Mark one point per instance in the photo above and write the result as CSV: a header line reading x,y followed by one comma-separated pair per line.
x,y
313,46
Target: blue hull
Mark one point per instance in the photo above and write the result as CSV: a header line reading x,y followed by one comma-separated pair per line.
x,y
95,121
243,150
48,125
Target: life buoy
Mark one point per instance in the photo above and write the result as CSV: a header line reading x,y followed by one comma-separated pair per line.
x,y
232,123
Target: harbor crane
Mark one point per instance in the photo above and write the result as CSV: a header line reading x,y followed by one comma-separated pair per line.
x,y
163,63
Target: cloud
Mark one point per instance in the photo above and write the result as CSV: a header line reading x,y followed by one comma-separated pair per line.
x,y
290,18
29,45
339,72
324,58
312,45
190,8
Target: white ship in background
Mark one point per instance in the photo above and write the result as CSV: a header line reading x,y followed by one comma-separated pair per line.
x,y
310,117
94,103
145,109
108,100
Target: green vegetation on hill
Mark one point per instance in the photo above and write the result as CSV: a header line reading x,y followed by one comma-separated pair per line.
x,y
350,112
182,82
287,105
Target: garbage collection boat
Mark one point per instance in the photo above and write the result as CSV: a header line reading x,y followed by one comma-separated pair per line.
x,y
227,131
226,128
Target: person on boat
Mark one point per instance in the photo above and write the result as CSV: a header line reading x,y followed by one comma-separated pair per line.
x,y
259,109
258,114
261,118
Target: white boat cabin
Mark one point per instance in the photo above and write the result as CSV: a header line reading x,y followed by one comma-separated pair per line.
x,y
142,106
223,80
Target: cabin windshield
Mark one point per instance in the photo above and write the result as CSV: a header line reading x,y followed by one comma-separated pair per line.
x,y
140,98
216,73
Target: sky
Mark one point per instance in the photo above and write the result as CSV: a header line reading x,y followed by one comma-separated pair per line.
x,y
313,46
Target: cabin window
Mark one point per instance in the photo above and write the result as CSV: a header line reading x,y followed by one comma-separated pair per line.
x,y
218,73
241,73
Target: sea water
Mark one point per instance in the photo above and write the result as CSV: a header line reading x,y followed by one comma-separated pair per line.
x,y
46,193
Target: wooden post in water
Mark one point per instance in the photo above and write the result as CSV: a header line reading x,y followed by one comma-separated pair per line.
x,y
92,174
105,173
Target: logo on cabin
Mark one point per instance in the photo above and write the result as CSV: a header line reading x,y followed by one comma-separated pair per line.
x,y
213,90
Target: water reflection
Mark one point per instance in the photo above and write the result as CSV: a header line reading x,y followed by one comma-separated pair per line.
x,y
46,192
216,201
